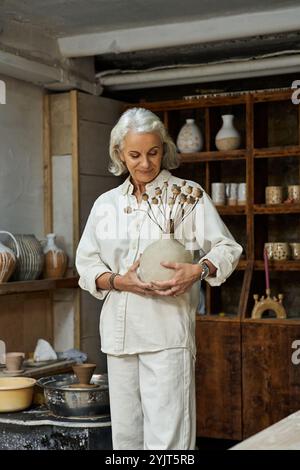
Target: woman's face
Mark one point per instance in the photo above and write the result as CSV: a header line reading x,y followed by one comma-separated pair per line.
x,y
142,154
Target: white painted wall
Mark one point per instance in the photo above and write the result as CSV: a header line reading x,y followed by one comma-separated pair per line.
x,y
21,158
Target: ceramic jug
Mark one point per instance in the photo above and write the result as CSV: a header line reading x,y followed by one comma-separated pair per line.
x,y
189,139
8,259
228,137
55,259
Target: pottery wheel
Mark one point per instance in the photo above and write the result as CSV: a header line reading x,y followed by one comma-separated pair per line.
x,y
82,385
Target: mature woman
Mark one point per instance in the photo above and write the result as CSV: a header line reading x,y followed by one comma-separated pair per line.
x,y
147,329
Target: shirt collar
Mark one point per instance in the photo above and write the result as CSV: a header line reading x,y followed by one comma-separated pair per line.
x,y
164,175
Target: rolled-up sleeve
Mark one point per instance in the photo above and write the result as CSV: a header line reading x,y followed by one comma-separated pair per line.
x,y
218,244
88,260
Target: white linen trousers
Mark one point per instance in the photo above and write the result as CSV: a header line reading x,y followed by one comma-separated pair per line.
x,y
152,400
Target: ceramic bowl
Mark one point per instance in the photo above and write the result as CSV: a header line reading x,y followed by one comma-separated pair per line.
x,y
15,393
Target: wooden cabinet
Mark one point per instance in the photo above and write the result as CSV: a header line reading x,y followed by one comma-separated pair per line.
x,y
245,377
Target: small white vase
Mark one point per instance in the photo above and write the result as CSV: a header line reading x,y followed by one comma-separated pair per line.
x,y
55,259
164,249
228,137
189,139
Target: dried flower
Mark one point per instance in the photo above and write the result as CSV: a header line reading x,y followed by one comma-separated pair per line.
x,y
158,191
145,197
197,192
189,189
127,210
154,200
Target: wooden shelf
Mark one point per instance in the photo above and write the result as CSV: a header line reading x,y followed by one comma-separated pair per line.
x,y
231,210
276,208
289,265
280,152
19,287
226,318
213,155
278,321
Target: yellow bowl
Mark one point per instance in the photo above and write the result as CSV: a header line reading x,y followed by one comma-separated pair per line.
x,y
15,393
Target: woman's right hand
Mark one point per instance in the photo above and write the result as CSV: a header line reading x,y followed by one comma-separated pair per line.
x,y
130,282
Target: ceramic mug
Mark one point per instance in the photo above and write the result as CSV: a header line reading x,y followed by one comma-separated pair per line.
x,y
242,194
295,250
269,249
274,194
218,193
233,194
14,361
294,192
281,251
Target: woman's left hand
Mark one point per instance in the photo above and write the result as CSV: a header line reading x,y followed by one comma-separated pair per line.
x,y
185,274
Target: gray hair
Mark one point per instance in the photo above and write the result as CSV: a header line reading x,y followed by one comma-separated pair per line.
x,y
142,121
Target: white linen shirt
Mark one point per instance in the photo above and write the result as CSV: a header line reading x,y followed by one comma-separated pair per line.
x,y
113,240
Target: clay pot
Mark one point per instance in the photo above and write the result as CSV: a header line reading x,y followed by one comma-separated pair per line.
x,y
31,260
8,259
16,393
55,259
165,249
228,137
84,373
14,361
189,139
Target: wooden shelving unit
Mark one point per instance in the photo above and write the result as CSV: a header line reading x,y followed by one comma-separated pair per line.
x,y
244,374
21,287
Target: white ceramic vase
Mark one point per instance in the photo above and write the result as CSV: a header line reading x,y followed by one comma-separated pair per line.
x,y
228,137
189,139
165,249
55,259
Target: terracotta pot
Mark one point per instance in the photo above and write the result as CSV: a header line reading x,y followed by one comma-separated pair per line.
x,y
8,259
14,361
84,373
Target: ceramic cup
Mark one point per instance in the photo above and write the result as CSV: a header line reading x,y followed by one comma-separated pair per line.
x,y
233,194
242,194
274,194
218,193
14,361
294,192
281,251
295,250
269,249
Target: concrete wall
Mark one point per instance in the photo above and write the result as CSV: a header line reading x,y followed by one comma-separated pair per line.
x,y
21,159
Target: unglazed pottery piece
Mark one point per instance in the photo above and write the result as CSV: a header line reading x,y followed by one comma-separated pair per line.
x,y
8,259
84,373
165,249
189,139
228,137
274,194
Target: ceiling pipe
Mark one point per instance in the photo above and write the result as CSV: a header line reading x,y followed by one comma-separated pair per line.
x,y
201,73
